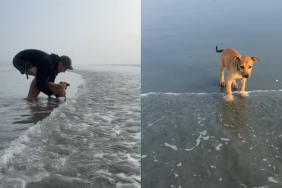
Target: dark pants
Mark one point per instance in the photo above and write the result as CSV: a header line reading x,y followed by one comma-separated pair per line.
x,y
21,65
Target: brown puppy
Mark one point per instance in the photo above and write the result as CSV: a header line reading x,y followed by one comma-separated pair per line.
x,y
239,67
66,84
57,88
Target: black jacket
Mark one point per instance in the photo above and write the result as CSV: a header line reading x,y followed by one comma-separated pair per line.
x,y
46,65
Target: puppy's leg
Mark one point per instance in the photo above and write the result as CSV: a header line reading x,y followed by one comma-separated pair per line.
x,y
243,85
235,86
222,82
229,81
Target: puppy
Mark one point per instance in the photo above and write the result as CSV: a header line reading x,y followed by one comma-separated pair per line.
x,y
67,84
239,67
57,88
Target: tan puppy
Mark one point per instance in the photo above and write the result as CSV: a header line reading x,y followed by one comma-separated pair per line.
x,y
66,84
239,67
57,88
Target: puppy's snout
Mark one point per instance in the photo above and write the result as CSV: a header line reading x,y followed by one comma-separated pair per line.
x,y
247,76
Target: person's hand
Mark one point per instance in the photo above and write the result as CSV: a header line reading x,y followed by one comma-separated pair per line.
x,y
62,94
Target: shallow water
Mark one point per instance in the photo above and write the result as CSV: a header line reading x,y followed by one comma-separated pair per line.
x,y
191,137
91,139
200,140
179,39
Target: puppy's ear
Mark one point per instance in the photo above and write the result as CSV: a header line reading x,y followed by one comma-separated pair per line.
x,y
235,58
254,58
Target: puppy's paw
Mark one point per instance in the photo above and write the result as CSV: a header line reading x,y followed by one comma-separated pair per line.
x,y
243,94
222,84
235,87
229,98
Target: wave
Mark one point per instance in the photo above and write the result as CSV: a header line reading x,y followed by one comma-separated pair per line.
x,y
235,92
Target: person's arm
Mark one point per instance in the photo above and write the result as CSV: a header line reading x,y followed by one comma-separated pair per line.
x,y
42,77
52,79
56,88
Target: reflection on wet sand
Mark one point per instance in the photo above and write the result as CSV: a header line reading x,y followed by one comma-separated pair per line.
x,y
38,110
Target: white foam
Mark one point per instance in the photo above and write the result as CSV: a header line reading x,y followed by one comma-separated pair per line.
x,y
82,126
136,136
172,93
63,115
271,179
132,185
199,140
218,146
150,124
98,155
225,125
225,139
132,160
60,162
175,175
70,179
200,121
147,94
17,146
235,92
243,185
179,164
128,178
171,146
16,182
143,156
212,166
106,118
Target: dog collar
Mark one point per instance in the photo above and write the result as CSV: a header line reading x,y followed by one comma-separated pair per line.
x,y
236,65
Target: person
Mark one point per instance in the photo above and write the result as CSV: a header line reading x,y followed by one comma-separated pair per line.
x,y
44,67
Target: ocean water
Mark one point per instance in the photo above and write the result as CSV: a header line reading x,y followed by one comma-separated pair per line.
x,y
200,140
179,38
91,139
191,137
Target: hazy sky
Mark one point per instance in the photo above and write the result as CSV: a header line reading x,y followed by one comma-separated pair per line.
x,y
88,31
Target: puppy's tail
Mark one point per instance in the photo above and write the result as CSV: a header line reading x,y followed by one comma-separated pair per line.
x,y
218,51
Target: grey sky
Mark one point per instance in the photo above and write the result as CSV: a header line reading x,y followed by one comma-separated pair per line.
x,y
89,31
